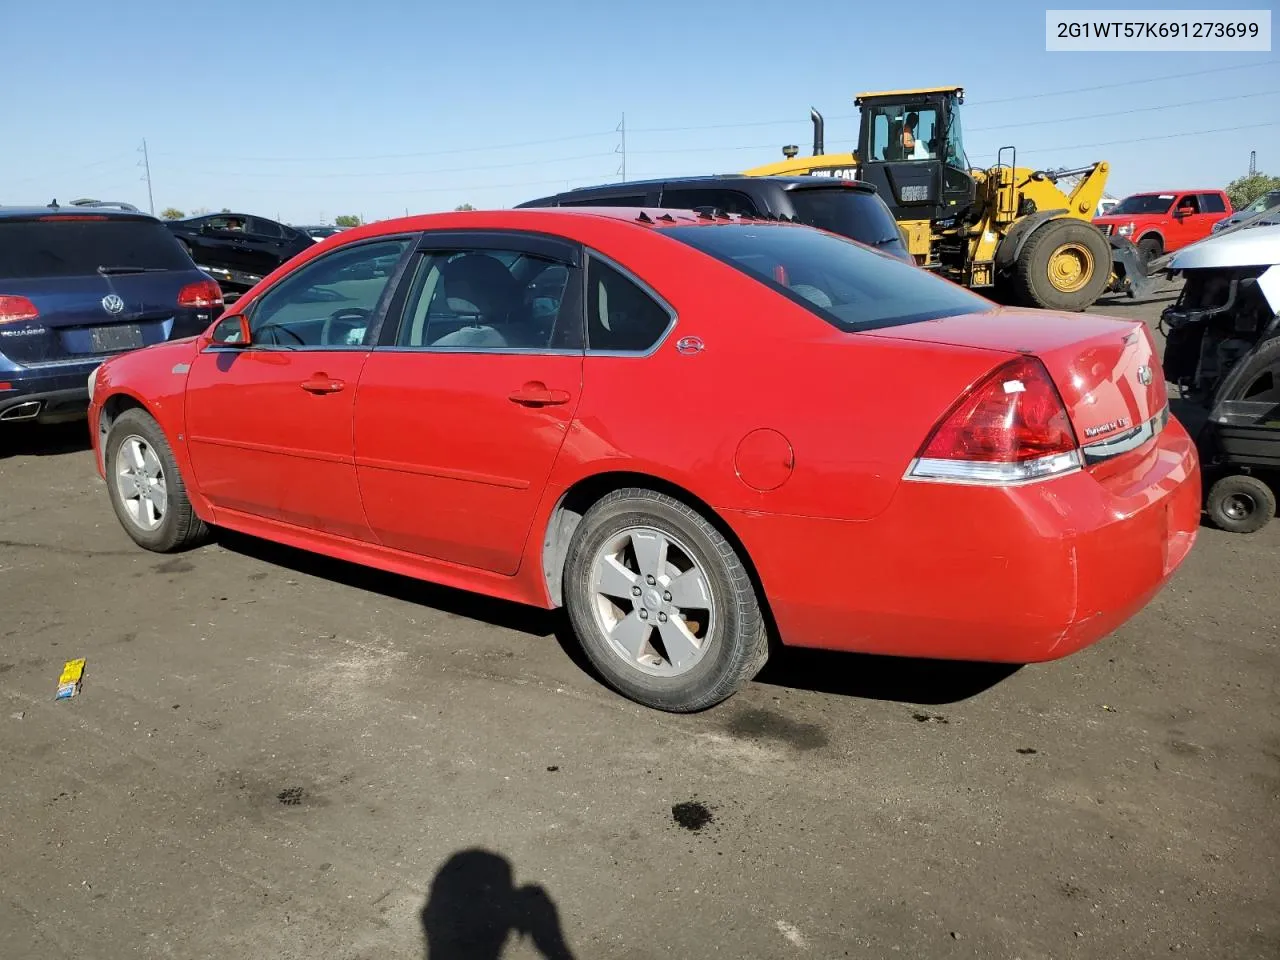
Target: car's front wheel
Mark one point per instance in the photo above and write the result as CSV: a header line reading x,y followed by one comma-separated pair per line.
x,y
147,492
661,602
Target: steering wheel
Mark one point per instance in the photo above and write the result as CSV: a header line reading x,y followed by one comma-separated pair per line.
x,y
346,313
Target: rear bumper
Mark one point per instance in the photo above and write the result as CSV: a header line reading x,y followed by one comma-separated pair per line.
x,y
1013,575
62,396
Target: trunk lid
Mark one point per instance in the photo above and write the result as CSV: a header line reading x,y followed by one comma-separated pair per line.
x,y
92,316
100,284
1105,368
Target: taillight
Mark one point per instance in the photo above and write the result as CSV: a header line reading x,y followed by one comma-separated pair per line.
x,y
202,294
1012,427
14,309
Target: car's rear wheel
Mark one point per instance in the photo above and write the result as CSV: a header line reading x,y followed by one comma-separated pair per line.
x,y
147,492
661,602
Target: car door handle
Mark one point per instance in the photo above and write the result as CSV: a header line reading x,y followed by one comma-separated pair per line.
x,y
536,394
319,383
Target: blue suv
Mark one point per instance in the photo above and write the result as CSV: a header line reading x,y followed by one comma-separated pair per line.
x,y
79,284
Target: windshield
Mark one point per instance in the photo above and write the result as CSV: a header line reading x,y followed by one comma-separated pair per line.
x,y
851,213
1264,202
1144,203
845,284
66,247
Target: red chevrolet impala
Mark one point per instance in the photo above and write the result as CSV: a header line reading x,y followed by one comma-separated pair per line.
x,y
690,431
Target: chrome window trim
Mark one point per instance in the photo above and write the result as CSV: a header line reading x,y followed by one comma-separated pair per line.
x,y
377,317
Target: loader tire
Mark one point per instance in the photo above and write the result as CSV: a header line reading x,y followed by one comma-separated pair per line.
x,y
1065,265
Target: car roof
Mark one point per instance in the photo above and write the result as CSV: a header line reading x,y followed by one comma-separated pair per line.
x,y
72,212
717,179
1161,193
528,218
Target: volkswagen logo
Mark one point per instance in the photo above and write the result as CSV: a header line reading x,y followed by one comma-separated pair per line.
x,y
112,303
1144,375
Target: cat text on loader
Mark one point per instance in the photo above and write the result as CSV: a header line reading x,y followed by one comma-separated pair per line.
x,y
1006,229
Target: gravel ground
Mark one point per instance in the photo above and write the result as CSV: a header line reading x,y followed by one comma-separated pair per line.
x,y
280,756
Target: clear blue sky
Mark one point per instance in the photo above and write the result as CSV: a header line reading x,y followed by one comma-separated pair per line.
x,y
306,110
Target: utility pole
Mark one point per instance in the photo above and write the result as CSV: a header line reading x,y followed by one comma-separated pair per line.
x,y
622,147
146,165
1253,163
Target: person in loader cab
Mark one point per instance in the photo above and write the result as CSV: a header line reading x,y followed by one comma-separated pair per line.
x,y
909,134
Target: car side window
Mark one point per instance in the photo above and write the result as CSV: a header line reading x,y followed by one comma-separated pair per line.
x,y
331,301
265,228
630,200
719,201
1189,200
622,317
1212,203
491,301
229,224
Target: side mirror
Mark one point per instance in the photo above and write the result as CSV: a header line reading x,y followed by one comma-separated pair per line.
x,y
1186,211
230,331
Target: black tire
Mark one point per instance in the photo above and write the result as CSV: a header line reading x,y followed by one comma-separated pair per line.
x,y
1241,503
1031,271
737,646
179,527
1149,248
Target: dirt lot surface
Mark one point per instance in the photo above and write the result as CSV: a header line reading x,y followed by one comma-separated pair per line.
x,y
278,756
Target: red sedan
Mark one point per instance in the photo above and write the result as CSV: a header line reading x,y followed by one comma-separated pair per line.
x,y
691,432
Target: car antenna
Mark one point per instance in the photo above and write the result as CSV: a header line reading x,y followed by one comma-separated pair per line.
x,y
53,204
667,217
644,217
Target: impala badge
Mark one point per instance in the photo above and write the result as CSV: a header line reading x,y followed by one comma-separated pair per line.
x,y
1144,375
1107,427
112,303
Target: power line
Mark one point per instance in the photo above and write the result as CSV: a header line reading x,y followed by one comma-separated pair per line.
x,y
455,188
1122,113
313,158
400,173
1164,136
1127,83
968,103
118,158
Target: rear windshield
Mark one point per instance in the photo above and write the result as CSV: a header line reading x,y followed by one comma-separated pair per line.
x,y
847,285
850,213
1145,203
76,248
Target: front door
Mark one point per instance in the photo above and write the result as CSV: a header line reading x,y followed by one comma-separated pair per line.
x,y
269,426
465,403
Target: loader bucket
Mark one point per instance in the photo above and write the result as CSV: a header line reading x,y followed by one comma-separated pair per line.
x,y
1129,275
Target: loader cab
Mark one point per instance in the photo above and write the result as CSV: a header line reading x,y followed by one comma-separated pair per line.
x,y
910,146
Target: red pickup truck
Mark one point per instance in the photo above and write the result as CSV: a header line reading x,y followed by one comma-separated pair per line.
x,y
1160,223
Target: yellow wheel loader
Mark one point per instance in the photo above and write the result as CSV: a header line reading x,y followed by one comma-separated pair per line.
x,y
1009,230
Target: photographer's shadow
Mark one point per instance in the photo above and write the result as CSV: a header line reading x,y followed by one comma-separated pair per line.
x,y
473,907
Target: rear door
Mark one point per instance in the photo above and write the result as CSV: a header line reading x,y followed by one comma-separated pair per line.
x,y
100,284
